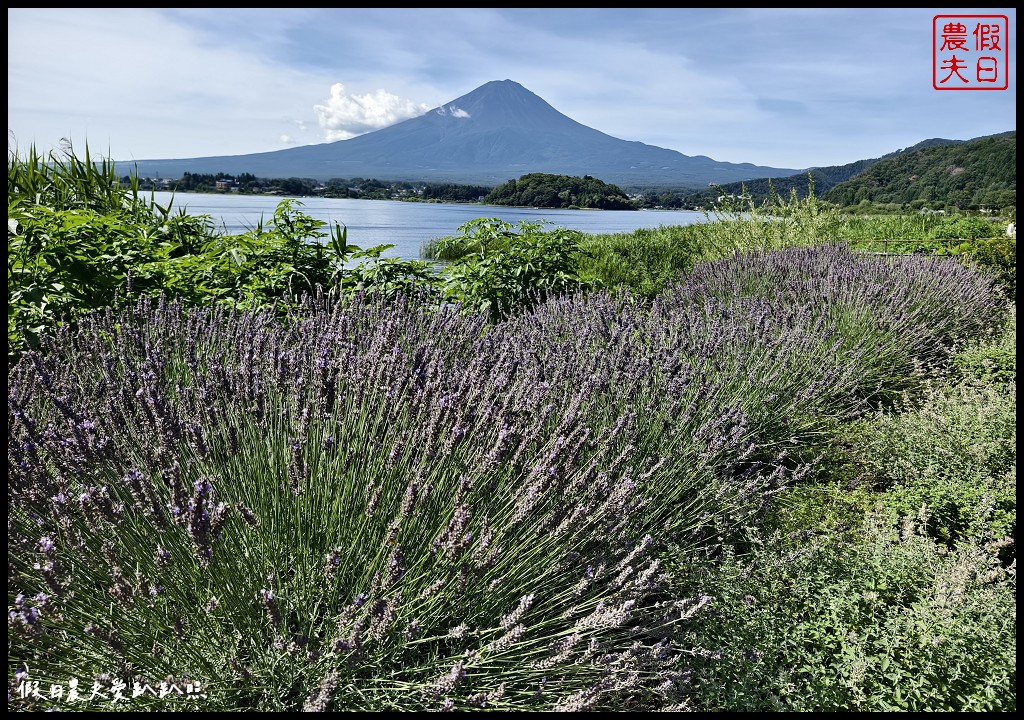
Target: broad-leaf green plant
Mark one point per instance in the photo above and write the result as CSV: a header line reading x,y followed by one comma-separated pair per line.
x,y
508,267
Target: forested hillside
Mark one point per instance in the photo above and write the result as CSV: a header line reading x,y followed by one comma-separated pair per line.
x,y
937,173
967,176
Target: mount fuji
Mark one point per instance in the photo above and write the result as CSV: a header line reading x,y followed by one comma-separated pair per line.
x,y
498,132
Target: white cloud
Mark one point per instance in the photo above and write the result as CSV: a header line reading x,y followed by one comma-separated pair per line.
x,y
345,116
456,112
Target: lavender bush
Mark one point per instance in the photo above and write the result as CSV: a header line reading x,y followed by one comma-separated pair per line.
x,y
903,315
369,508
701,381
748,362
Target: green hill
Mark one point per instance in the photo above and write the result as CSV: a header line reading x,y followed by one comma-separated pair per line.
x,y
935,173
827,177
560,191
963,176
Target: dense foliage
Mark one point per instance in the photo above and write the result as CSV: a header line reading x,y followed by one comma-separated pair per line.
x,y
879,619
76,238
560,191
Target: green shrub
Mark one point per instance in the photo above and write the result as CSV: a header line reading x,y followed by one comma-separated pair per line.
x,y
997,255
956,454
991,362
508,267
888,620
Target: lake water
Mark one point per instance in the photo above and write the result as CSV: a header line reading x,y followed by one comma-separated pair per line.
x,y
408,225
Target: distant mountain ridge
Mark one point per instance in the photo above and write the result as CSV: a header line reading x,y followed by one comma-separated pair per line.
x,y
827,177
496,133
978,171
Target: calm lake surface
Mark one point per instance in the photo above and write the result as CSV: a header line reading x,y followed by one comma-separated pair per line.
x,y
408,225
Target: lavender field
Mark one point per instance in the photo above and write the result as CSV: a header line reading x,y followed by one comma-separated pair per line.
x,y
603,502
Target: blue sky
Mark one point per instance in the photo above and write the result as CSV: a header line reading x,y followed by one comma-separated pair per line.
x,y
789,88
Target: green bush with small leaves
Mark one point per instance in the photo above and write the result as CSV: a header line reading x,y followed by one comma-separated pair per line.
x,y
998,255
956,455
992,362
890,621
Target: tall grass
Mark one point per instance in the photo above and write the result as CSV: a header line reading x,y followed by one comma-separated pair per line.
x,y
645,260
63,180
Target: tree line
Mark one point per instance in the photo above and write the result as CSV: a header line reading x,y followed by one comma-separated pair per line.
x,y
953,176
357,187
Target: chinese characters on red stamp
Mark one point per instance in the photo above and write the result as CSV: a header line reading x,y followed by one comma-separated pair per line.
x,y
970,52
